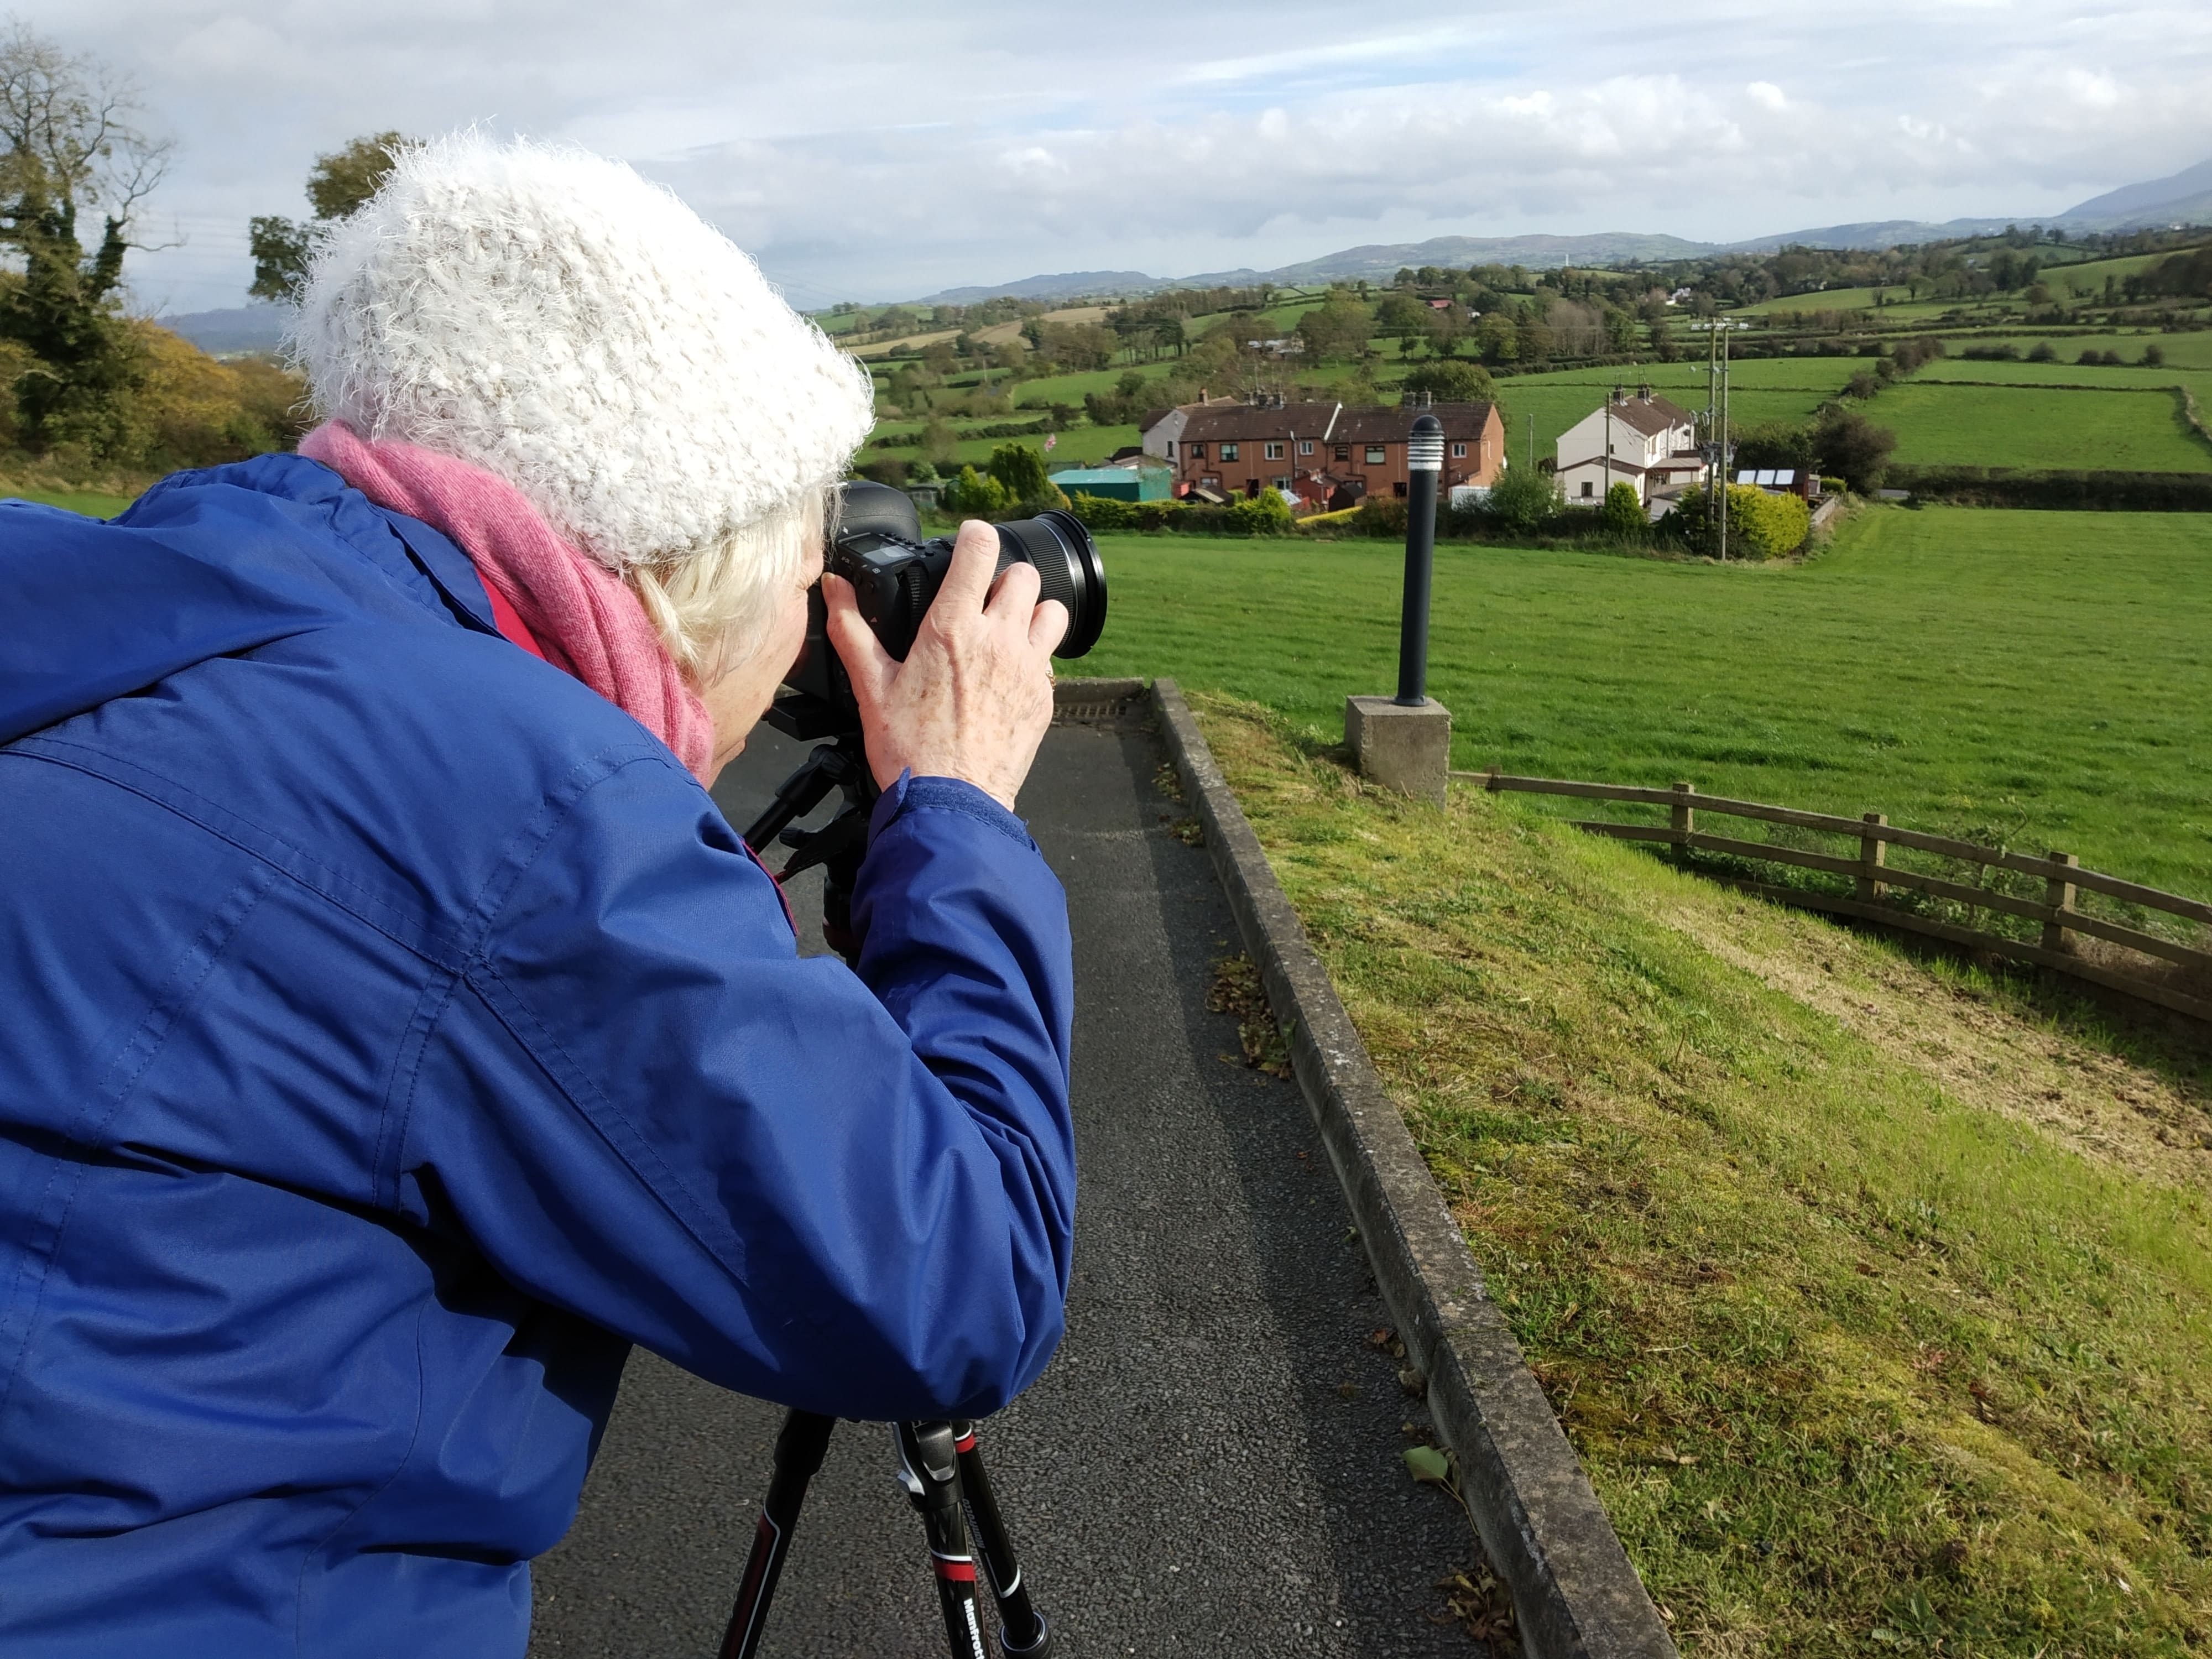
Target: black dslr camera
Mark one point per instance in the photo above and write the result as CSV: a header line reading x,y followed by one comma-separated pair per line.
x,y
876,544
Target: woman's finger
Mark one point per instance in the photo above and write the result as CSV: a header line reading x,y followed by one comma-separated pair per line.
x,y
967,578
870,668
1047,625
1015,594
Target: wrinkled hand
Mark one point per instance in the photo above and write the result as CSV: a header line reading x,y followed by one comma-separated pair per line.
x,y
973,696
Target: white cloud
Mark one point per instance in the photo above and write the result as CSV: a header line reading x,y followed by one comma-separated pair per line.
x,y
862,156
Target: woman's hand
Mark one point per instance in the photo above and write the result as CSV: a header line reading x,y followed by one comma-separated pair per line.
x,y
973,696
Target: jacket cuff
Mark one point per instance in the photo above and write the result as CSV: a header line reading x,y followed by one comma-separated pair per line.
x,y
913,794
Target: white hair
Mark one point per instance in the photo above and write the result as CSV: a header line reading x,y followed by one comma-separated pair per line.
x,y
547,315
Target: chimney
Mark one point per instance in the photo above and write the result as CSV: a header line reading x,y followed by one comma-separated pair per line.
x,y
1644,391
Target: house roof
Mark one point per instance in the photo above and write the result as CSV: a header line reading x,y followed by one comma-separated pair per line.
x,y
1650,416
1343,423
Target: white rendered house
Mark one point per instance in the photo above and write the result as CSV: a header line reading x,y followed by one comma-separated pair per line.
x,y
1652,444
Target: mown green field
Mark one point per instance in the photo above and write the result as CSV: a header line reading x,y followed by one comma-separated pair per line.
x,y
92,504
2035,427
2038,679
2191,350
1878,1315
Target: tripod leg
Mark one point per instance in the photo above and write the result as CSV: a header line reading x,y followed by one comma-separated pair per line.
x,y
930,1471
798,1449
1022,1632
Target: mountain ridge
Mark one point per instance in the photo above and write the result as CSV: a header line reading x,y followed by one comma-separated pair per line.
x,y
2180,197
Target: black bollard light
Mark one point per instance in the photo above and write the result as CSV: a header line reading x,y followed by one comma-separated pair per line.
x,y
1424,465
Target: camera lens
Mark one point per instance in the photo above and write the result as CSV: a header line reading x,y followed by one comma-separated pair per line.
x,y
1069,569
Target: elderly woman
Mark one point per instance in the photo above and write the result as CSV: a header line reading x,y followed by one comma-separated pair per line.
x,y
397,1032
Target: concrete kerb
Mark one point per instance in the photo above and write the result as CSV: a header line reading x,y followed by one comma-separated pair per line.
x,y
1575,1594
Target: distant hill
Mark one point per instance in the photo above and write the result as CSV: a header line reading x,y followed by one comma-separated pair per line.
x,y
1385,260
1878,233
241,328
2184,199
1067,285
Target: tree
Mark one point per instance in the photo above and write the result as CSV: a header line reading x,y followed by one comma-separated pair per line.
x,y
1523,499
1622,514
1847,444
68,144
977,494
1336,329
1019,471
337,183
1452,381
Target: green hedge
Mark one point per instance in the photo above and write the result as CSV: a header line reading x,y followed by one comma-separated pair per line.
x,y
1266,515
2000,486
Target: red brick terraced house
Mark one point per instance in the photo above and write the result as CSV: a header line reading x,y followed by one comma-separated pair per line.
x,y
1324,453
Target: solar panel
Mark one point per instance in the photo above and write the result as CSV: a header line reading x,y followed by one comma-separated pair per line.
x,y
1765,476
1786,476
1747,476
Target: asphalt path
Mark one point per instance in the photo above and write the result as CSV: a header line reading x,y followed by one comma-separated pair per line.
x,y
1211,1465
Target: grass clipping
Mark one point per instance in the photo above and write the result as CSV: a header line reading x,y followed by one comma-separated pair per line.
x,y
1874,1332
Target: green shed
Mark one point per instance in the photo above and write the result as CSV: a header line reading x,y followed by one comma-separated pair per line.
x,y
1116,484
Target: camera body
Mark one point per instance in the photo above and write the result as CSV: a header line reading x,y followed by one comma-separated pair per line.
x,y
876,544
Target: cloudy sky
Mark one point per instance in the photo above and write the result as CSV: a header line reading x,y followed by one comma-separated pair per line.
x,y
878,151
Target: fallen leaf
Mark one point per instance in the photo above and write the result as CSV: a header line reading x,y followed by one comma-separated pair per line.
x,y
1427,1464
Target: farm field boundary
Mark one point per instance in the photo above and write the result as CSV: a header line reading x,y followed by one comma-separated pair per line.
x,y
2142,967
2055,492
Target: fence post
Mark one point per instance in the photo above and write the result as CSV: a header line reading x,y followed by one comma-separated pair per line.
x,y
2058,894
1683,821
1874,853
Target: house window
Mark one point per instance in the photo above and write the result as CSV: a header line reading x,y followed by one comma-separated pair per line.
x,y
1211,481
1171,444
1398,488
1228,452
1198,452
1275,452
1344,451
1588,488
1459,451
1305,446
1283,484
1374,456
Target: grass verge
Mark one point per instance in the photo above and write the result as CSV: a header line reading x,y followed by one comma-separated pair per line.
x,y
1879,1315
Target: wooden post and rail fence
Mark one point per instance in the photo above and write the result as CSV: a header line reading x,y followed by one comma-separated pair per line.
x,y
1873,877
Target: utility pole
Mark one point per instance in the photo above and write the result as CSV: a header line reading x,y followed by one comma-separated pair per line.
x,y
1716,416
1609,439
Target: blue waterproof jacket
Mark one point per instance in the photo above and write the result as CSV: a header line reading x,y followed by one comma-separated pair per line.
x,y
394,1032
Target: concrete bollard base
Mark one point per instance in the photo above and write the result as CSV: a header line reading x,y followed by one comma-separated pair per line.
x,y
1408,750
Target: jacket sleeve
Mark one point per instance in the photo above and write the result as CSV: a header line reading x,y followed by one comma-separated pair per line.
x,y
852,1193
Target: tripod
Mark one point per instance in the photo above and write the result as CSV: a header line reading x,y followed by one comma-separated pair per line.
x,y
938,1465
943,1474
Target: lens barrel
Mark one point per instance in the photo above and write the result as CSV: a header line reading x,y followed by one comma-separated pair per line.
x,y
1069,569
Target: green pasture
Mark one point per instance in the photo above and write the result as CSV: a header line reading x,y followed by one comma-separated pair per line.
x,y
1834,299
2037,679
2122,431
1878,1317
2087,279
92,504
2192,349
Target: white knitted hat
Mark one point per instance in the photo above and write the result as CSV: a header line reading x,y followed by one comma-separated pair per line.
x,y
550,317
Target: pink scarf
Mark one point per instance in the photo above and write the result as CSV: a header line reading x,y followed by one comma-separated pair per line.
x,y
584,618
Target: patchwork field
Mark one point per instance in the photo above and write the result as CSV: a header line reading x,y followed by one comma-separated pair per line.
x,y
2139,430
2036,679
